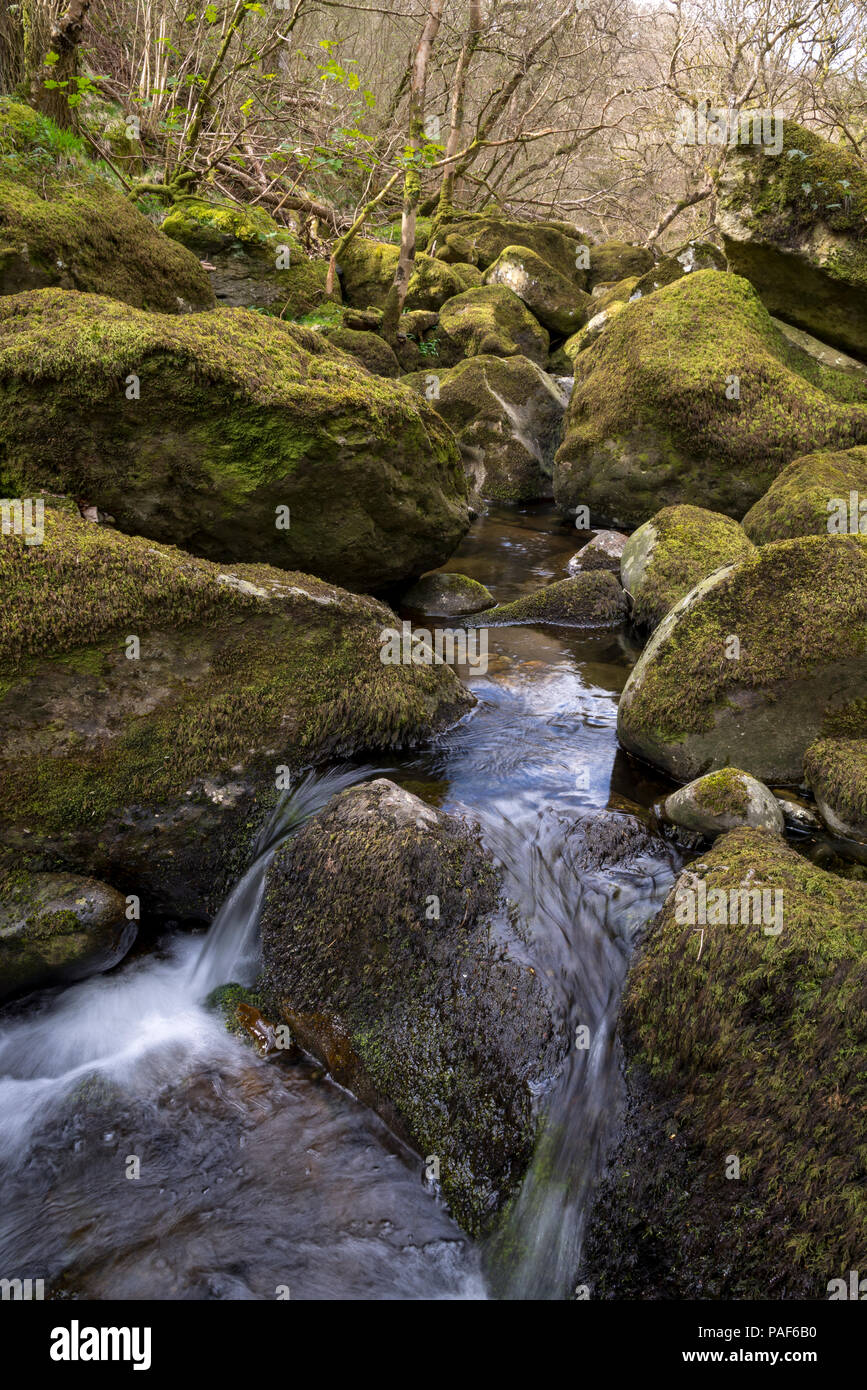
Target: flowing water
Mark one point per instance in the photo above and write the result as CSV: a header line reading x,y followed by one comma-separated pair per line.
x,y
145,1153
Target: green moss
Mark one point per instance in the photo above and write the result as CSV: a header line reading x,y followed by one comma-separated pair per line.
x,y
804,499
490,233
672,552
493,320
654,418
611,261
756,1042
553,298
591,599
369,349
723,793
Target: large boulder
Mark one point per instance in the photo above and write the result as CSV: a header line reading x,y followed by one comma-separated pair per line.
x,y
604,305
693,255
62,223
255,263
795,224
724,800
367,274
835,768
739,1169
149,699
741,671
507,415
372,351
555,300
813,496
591,599
443,595
489,233
236,435
603,552
692,395
615,260
491,319
672,552
58,927
404,991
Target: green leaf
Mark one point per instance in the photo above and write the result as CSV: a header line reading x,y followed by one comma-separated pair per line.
x,y
51,59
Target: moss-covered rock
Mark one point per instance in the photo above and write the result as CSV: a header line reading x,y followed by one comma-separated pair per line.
x,y
367,273
404,990
742,1044
611,261
693,255
372,351
554,299
823,352
741,671
603,552
234,418
489,233
795,224
57,927
835,767
813,497
671,553
692,395
255,262
493,320
603,307
724,800
63,223
507,415
152,760
594,599
442,595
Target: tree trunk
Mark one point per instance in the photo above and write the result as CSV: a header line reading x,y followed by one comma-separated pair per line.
x,y
456,111
63,40
412,179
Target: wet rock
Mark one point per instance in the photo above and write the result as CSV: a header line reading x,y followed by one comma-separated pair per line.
x,y
674,551
793,223
58,927
660,416
407,989
493,320
245,438
835,767
799,817
724,800
67,226
602,553
447,595
813,496
734,1030
742,671
507,416
153,703
553,298
594,599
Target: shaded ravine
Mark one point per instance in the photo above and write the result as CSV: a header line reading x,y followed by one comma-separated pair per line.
x,y
259,1176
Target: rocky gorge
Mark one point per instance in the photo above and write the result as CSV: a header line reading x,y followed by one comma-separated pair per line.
x,y
554,938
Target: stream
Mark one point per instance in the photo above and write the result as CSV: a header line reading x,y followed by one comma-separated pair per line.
x,y
260,1179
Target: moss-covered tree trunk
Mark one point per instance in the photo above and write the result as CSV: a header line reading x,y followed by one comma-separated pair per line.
x,y
412,178
58,64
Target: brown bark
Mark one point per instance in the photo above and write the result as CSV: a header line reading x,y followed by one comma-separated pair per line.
x,y
63,40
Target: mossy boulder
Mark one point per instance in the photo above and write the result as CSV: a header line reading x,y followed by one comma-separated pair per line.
x,y
372,351
813,497
443,595
672,552
795,224
554,299
742,1044
234,418
492,320
367,272
489,233
742,671
835,768
149,699
693,255
507,416
255,262
58,927
823,352
724,800
63,223
594,599
404,991
692,395
611,261
603,307
603,552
